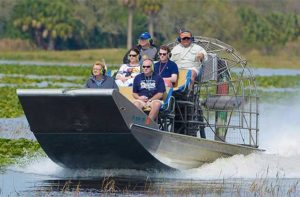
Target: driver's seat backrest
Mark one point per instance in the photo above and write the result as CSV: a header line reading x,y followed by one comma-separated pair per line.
x,y
183,81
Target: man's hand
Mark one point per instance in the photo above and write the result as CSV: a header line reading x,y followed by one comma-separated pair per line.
x,y
200,57
143,98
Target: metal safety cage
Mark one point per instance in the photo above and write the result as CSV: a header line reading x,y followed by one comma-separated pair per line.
x,y
225,97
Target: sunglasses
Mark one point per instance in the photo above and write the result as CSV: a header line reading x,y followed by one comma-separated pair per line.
x,y
186,38
146,66
162,54
132,55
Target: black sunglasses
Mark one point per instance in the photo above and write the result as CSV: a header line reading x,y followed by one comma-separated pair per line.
x,y
146,66
162,54
132,55
186,38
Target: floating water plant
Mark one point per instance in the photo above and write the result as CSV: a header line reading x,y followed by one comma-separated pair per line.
x,y
13,149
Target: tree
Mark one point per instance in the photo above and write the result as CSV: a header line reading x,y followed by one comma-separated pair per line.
x,y
256,29
131,6
104,22
151,8
270,31
46,21
6,7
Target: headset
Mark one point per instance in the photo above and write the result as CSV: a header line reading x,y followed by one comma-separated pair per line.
x,y
179,39
103,68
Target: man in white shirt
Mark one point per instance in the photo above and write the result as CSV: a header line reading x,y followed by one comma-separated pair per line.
x,y
188,55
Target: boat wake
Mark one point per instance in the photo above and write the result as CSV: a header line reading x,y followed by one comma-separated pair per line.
x,y
256,165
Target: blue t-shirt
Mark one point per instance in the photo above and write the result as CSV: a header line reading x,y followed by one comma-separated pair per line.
x,y
148,86
165,70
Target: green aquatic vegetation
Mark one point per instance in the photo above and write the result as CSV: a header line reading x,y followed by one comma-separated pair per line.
x,y
9,103
10,106
276,96
45,70
279,81
24,80
83,71
13,149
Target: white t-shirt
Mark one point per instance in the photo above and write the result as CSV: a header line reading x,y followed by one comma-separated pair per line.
x,y
185,57
126,70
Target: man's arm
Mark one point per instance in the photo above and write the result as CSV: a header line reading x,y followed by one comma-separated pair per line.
x,y
157,96
142,98
201,55
172,79
135,95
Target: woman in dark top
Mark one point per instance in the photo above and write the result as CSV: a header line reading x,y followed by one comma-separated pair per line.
x,y
98,79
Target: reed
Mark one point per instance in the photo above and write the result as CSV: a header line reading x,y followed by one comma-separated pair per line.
x,y
110,186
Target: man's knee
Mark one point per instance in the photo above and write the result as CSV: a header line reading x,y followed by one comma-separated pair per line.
x,y
155,105
194,75
138,104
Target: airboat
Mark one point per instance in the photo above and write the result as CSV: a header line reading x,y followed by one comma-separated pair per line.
x,y
101,128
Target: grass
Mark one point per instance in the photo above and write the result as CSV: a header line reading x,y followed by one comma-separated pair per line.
x,y
22,80
45,70
111,56
281,60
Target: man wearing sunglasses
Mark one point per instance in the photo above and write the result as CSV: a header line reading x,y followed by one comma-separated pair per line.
x,y
188,55
166,68
148,90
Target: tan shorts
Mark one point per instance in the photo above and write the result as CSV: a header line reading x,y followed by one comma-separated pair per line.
x,y
148,104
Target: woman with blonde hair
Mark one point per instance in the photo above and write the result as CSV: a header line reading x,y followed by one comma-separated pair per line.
x,y
98,79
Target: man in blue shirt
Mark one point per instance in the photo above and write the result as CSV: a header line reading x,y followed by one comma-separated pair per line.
x,y
148,89
166,68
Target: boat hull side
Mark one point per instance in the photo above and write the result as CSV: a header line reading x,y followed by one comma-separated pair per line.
x,y
185,152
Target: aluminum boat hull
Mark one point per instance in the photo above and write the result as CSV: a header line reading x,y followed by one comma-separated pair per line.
x,y
94,128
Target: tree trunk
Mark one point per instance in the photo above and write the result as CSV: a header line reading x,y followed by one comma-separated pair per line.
x,y
151,25
51,44
129,30
38,39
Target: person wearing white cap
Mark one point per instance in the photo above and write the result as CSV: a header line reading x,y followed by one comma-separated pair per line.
x,y
188,55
